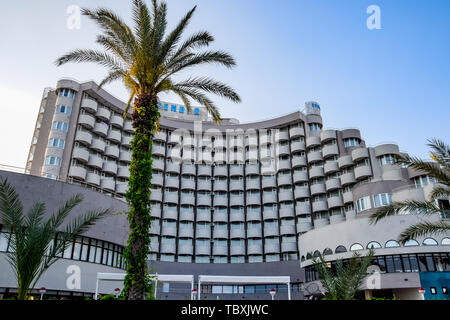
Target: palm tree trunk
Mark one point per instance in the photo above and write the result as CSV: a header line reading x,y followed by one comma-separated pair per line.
x,y
145,115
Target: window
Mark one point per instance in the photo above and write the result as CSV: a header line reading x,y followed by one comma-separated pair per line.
x,y
356,247
433,290
327,251
430,242
373,245
363,204
53,161
57,143
340,249
387,159
446,242
314,127
411,243
392,244
383,199
351,142
57,125
63,109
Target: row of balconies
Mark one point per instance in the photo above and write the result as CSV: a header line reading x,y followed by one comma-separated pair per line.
x,y
86,138
104,114
286,247
96,161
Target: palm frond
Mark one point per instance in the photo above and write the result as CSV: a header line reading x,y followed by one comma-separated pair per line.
x,y
423,229
211,86
429,168
409,206
201,98
440,192
11,207
102,58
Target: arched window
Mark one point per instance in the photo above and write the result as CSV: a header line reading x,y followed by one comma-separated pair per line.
x,y
430,242
373,245
392,244
303,258
340,249
411,243
356,247
327,251
309,256
316,253
446,242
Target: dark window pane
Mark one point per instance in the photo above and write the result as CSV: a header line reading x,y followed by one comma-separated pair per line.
x,y
406,264
398,264
390,264
414,263
422,263
381,264
430,262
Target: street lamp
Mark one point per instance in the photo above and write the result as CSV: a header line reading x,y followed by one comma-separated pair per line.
x,y
422,292
194,294
42,291
273,292
116,292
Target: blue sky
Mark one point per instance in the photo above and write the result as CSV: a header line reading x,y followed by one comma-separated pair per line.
x,y
393,84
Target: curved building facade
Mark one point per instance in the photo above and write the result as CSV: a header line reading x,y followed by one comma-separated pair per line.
x,y
262,193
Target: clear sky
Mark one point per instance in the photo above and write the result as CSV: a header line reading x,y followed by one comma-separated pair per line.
x,y
393,83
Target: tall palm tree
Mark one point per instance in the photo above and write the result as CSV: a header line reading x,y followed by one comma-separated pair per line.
x,y
146,59
344,281
440,171
36,244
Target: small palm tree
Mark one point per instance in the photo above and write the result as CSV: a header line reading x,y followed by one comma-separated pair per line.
x,y
36,244
146,60
343,282
440,171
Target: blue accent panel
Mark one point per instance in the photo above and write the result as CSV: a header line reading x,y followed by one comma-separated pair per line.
x,y
196,111
181,109
436,280
173,108
166,107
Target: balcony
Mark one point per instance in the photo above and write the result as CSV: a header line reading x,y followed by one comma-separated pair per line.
x,y
320,206
95,161
331,150
254,250
269,198
302,209
188,169
289,246
315,156
155,211
220,234
236,170
203,233
171,197
204,201
204,170
220,186
169,231
300,176
108,184
237,185
298,146
287,213
253,216
156,195
313,141
237,250
112,151
301,192
158,150
103,113
333,184
296,132
80,154
186,250
251,169
203,250
87,121
220,251
158,165
172,182
160,136
254,233
237,217
101,129
271,232
253,200
128,126
253,184
220,171
271,248
126,141
362,172
270,215
77,173
170,213
327,135
347,197
345,161
236,201
89,105
220,217
360,153
316,172
172,167
304,227
348,178
269,182
123,173
251,140
93,178
285,195
83,137
116,121
330,167
125,156
187,216
110,167
284,165
318,188
237,234
98,145
335,202
187,184
283,150
187,199
121,188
